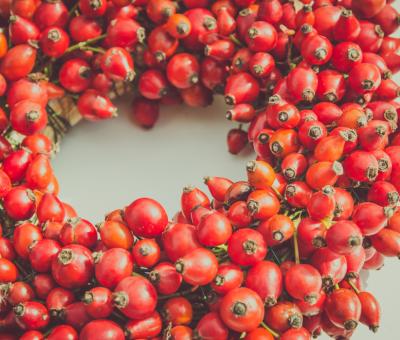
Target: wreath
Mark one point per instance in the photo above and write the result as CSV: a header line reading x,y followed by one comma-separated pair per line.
x,y
277,255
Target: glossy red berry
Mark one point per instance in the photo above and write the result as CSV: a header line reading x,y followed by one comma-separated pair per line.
x,y
303,282
236,140
298,194
73,266
183,70
31,315
361,166
146,217
18,62
118,64
242,310
42,254
370,311
371,217
321,204
54,42
265,278
22,30
344,237
105,329
332,266
247,247
19,203
347,28
241,88
146,253
261,36
343,308
98,302
92,105
75,75
302,83
8,271
147,327
364,78
153,84
198,267
276,230
112,266
284,316
316,49
28,117
229,276
165,278
134,292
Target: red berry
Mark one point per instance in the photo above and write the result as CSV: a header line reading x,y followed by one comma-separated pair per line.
x,y
265,278
343,308
73,266
104,329
229,276
146,217
135,297
241,88
165,278
344,237
261,36
31,315
370,310
198,268
242,310
247,247
284,316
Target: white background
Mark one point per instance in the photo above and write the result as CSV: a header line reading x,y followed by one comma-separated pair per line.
x,y
104,166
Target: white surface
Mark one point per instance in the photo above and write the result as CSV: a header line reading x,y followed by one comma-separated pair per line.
x,y
107,165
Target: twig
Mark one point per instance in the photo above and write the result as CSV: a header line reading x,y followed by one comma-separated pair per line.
x,y
296,248
86,43
352,285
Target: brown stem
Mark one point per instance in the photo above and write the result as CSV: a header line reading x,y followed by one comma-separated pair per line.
x,y
352,285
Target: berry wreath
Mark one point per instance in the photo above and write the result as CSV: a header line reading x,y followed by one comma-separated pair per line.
x,y
277,255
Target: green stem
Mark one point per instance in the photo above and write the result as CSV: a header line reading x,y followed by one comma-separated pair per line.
x,y
94,49
296,217
83,44
220,249
274,334
235,40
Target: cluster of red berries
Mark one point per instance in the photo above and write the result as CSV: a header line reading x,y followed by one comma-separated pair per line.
x,y
275,256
